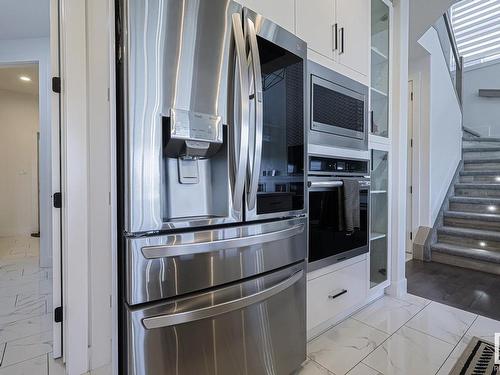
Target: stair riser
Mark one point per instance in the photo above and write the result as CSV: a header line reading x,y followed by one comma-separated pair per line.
x,y
481,155
469,242
482,166
474,207
473,264
486,179
471,192
471,223
474,143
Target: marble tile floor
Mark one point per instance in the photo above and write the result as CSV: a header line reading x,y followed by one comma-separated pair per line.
x,y
25,310
404,336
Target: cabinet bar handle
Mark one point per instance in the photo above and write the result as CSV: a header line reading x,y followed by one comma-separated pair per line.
x,y
335,34
333,296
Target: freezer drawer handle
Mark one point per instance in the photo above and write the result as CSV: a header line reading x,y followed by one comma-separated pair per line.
x,y
337,294
153,252
223,308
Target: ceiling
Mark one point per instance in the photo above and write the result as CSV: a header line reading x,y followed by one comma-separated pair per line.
x,y
9,78
21,19
421,18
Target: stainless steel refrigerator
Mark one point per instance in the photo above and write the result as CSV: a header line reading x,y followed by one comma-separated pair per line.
x,y
212,190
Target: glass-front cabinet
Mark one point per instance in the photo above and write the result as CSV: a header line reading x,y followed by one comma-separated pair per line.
x,y
380,60
379,231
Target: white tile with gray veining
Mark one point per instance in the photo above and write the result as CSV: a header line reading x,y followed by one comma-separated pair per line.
x,y
388,314
443,322
409,352
345,345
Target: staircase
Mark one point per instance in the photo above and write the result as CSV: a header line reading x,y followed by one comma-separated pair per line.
x,y
470,234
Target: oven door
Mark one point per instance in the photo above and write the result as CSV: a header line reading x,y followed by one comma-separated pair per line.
x,y
329,240
253,327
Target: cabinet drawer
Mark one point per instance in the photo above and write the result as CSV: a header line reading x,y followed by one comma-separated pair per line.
x,y
334,293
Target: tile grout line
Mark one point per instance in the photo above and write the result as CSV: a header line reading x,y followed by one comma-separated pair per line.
x,y
458,343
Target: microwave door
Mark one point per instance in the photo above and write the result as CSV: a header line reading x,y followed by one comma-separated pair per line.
x,y
276,187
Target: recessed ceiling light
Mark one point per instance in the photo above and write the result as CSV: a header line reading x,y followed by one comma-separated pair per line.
x,y
25,78
482,244
497,179
492,208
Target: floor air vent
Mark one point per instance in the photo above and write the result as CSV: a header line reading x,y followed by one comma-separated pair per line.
x,y
477,359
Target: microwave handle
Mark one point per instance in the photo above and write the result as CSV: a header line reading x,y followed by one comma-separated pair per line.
x,y
255,148
239,139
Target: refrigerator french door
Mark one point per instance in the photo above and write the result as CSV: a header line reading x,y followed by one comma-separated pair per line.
x,y
212,226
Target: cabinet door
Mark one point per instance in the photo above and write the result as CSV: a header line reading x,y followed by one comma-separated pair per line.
x,y
315,25
379,218
278,11
353,17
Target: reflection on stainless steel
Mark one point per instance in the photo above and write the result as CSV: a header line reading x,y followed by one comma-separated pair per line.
x,y
195,259
173,34
362,183
219,332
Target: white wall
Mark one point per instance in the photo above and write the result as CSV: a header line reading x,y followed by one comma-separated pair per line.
x,y
482,114
38,50
18,163
437,129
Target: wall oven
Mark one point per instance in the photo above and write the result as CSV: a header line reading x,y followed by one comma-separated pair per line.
x,y
338,109
331,206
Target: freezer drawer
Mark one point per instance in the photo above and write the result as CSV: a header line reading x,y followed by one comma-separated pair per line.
x,y
255,327
170,265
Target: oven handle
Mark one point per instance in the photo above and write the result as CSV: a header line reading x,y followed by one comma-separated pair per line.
x,y
163,251
362,183
222,308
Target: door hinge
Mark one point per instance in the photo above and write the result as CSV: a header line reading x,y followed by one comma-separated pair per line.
x,y
56,84
411,142
57,200
411,96
411,235
58,314
411,189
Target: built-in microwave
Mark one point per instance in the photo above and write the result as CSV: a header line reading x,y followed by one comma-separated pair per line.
x,y
338,109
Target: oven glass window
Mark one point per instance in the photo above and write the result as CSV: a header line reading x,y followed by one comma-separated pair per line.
x,y
333,108
328,235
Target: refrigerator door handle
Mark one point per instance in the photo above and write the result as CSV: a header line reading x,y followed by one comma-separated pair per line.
x,y
219,309
255,149
239,134
163,251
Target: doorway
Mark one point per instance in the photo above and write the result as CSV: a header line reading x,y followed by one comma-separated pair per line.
x,y
30,268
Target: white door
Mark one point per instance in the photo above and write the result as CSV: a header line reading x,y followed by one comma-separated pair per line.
x,y
316,25
278,11
353,18
56,181
409,200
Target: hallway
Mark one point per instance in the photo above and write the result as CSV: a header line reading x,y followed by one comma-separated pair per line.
x,y
25,310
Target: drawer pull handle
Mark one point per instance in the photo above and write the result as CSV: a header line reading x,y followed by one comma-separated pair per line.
x,y
333,296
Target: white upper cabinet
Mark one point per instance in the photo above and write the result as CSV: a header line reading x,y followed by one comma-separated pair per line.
x,y
338,30
353,18
316,25
278,11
